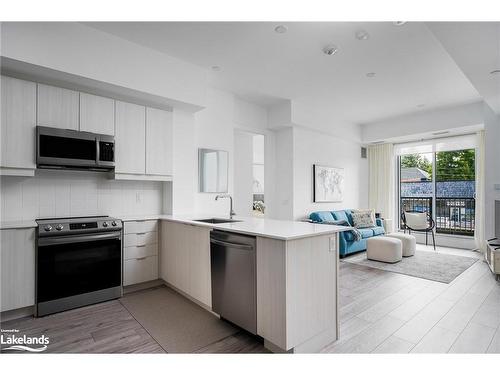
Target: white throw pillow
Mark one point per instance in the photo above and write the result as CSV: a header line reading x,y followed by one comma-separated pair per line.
x,y
363,218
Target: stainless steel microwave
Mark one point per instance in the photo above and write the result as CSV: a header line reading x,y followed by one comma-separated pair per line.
x,y
72,149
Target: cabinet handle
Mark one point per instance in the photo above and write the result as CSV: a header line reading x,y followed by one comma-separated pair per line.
x,y
140,258
141,234
141,246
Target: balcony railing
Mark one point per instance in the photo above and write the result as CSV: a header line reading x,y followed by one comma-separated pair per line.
x,y
452,216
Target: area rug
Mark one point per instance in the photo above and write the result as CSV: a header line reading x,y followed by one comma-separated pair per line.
x,y
177,324
424,264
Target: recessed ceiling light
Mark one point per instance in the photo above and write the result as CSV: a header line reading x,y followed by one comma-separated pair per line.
x,y
362,35
399,23
421,105
330,49
496,71
281,29
371,74
216,68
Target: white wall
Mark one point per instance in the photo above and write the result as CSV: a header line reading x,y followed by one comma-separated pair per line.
x,y
185,164
249,116
492,166
214,129
424,122
283,171
77,49
63,194
243,173
312,147
319,119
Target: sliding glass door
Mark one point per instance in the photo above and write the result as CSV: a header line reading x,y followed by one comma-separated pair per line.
x,y
455,191
441,183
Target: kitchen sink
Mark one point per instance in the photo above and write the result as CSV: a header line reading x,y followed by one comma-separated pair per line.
x,y
215,220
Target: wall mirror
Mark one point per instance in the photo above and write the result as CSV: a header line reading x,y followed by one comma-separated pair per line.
x,y
212,170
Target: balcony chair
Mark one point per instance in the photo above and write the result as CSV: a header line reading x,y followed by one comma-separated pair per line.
x,y
419,222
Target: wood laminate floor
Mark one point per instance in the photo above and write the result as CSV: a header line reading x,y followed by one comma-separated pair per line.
x,y
380,312
384,312
109,327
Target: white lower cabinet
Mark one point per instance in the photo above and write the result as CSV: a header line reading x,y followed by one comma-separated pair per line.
x,y
18,268
140,252
185,259
140,270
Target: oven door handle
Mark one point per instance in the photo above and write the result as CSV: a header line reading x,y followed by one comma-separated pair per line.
x,y
44,241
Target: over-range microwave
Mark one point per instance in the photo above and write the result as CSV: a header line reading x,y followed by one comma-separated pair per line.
x,y
72,149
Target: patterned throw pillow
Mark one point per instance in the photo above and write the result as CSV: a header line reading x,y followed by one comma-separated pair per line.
x,y
363,218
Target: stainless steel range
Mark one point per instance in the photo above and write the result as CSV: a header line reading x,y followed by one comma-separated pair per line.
x,y
78,262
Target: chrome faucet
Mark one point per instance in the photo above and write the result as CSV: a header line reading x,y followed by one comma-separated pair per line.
x,y
231,212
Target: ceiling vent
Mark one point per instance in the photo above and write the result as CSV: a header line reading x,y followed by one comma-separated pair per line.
x,y
441,133
363,152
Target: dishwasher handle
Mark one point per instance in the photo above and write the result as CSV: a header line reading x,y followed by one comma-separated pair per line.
x,y
231,244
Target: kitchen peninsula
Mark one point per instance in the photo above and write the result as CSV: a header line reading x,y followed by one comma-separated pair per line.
x,y
296,275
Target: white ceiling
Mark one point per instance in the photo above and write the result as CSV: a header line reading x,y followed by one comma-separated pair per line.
x,y
411,65
475,47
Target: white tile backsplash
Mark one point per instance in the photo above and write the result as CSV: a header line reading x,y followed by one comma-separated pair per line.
x,y
66,193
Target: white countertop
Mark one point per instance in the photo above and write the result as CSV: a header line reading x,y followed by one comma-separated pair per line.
x,y
20,224
262,227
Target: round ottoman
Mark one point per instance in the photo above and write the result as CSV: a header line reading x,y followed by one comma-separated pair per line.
x,y
384,249
408,241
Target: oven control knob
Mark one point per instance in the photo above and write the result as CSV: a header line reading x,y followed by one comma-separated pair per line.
x,y
47,228
59,227
105,224
113,223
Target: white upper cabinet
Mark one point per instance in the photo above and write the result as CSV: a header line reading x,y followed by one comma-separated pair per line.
x,y
18,123
158,142
130,142
58,107
97,114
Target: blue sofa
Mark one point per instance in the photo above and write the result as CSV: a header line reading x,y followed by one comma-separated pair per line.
x,y
346,239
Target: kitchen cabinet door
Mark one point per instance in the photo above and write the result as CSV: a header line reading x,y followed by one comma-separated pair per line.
x,y
18,268
130,143
175,255
140,270
158,142
58,107
18,123
97,114
200,287
185,259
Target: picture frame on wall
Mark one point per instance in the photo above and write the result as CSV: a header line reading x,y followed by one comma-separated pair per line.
x,y
328,184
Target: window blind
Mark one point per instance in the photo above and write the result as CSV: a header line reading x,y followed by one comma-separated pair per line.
x,y
461,142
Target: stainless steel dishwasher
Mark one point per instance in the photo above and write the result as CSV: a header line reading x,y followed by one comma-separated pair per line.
x,y
234,295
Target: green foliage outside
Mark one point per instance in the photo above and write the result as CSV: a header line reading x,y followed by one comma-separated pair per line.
x,y
450,165
417,161
456,165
